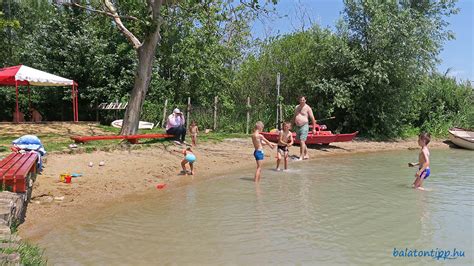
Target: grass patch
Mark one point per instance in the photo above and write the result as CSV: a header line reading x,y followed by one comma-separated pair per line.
x,y
219,137
29,254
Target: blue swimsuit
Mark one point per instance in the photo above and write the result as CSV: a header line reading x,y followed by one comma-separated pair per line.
x,y
258,154
426,172
190,158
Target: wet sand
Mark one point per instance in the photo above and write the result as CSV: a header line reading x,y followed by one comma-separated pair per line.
x,y
132,174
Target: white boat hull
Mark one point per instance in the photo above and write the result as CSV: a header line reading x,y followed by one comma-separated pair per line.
x,y
462,138
141,125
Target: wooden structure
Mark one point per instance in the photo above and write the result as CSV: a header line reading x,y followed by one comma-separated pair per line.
x,y
130,138
17,170
463,138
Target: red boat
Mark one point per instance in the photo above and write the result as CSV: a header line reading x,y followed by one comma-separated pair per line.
x,y
321,136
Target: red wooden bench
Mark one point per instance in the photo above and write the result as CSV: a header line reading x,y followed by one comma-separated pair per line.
x,y
130,138
16,170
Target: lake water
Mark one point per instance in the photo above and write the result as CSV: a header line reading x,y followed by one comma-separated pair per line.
x,y
355,209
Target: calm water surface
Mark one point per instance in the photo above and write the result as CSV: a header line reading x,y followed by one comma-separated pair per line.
x,y
344,210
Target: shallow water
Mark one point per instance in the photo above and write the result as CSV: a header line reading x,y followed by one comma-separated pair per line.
x,y
352,209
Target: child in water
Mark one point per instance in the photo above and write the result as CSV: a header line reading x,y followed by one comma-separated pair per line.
x,y
423,161
258,140
193,129
190,158
285,140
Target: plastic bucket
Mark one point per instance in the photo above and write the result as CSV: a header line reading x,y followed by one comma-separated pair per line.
x,y
68,179
62,177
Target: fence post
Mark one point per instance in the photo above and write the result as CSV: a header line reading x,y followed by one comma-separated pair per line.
x,y
248,115
188,112
164,114
215,113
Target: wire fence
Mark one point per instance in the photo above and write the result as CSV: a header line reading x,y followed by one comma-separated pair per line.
x,y
235,118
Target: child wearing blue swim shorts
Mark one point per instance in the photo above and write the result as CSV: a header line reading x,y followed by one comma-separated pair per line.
x,y
423,161
190,158
258,140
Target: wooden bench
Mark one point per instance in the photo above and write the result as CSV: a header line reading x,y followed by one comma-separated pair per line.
x,y
130,138
16,171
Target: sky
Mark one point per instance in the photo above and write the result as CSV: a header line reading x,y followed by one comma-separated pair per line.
x,y
457,55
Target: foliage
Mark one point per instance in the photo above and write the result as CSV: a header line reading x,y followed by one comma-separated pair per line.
x,y
375,73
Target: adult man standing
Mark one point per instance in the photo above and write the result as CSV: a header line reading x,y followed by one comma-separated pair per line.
x,y
303,113
175,125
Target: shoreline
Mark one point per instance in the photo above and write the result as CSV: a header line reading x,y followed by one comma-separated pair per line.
x,y
130,175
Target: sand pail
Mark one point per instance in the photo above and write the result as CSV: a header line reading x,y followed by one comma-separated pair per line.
x,y
68,178
62,177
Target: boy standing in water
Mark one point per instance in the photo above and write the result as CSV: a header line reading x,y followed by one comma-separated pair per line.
x,y
285,140
257,140
423,161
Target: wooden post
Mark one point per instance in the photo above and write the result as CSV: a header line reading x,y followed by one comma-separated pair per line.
x,y
164,114
281,117
278,113
188,111
215,113
248,115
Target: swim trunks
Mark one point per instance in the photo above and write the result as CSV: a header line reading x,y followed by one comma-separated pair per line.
x,y
426,172
282,149
302,132
191,158
258,154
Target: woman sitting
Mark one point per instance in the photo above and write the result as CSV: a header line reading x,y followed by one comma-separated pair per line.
x,y
175,125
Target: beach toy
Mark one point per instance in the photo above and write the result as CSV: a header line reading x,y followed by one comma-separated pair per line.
x,y
62,177
76,175
161,186
101,163
68,178
91,164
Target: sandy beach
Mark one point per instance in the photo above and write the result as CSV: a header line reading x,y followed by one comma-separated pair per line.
x,y
131,174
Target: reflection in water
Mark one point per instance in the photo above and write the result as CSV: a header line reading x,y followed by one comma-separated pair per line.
x,y
348,210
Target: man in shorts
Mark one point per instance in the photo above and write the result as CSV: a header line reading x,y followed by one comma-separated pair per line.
x,y
303,113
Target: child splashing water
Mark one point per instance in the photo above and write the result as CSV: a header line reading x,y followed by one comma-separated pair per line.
x,y
423,161
258,140
285,140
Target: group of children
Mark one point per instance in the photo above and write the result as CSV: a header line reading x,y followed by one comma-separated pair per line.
x,y
285,140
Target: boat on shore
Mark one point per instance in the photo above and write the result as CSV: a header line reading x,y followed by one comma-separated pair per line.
x,y
321,137
141,125
463,138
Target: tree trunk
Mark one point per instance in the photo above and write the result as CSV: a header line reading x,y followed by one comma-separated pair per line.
x,y
146,57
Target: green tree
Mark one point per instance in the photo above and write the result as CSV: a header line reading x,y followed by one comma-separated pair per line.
x,y
398,42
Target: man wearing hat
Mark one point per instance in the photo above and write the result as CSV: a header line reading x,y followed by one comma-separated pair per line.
x,y
175,125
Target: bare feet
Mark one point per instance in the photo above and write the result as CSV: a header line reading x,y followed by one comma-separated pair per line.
x,y
420,188
306,157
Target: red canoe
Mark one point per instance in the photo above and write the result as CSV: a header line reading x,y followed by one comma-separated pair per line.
x,y
321,137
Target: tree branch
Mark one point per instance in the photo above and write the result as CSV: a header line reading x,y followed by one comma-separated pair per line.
x,y
99,11
118,22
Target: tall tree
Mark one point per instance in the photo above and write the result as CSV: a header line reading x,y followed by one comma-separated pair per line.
x,y
150,17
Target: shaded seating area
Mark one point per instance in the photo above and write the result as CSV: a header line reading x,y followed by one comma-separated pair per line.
x,y
27,76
